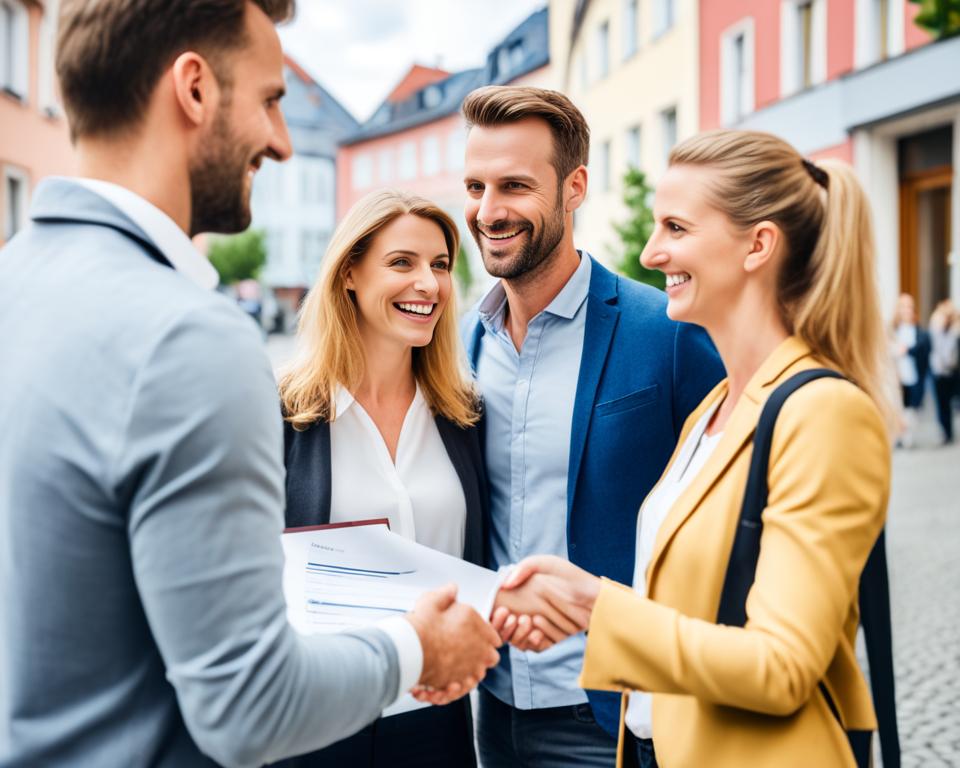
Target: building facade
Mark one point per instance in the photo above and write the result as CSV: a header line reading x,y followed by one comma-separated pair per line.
x,y
858,80
632,68
416,138
294,202
34,136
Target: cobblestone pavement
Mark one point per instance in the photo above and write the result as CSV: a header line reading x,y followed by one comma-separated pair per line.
x,y
923,548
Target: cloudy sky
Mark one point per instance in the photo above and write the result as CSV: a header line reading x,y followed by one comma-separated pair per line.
x,y
359,49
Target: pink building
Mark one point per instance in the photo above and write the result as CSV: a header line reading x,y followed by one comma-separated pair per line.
x,y
415,140
858,80
34,138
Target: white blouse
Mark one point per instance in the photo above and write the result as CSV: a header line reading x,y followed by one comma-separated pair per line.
x,y
690,460
421,494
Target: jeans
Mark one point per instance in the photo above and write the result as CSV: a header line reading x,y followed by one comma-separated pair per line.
x,y
557,737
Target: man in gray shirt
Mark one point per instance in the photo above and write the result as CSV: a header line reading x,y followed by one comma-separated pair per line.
x,y
141,477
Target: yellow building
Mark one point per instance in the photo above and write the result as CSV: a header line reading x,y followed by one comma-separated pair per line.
x,y
632,67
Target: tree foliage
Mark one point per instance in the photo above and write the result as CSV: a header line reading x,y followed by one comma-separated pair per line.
x,y
636,230
462,272
239,257
941,18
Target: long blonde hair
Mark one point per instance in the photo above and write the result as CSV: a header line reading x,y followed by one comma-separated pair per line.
x,y
330,350
827,286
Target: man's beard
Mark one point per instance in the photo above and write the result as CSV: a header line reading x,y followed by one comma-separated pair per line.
x,y
531,255
220,200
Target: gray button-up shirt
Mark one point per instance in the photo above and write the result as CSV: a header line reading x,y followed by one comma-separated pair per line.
x,y
528,401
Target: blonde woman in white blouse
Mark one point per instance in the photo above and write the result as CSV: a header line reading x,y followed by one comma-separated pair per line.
x,y
380,424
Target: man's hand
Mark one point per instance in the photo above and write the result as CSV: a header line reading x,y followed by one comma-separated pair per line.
x,y
543,601
458,646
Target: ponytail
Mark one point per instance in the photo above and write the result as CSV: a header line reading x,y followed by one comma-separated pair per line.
x,y
839,315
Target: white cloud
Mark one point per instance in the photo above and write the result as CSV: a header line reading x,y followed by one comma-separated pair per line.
x,y
361,50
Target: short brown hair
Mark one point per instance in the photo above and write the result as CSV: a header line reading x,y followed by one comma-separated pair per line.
x,y
502,104
111,53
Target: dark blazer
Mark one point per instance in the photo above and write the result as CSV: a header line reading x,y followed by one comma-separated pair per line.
x,y
307,457
641,374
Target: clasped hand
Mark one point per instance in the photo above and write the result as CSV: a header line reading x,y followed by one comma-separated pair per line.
x,y
543,601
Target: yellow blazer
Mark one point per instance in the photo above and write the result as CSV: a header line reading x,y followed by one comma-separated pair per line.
x,y
732,696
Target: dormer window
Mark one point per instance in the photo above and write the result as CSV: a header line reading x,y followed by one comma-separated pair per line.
x,y
431,96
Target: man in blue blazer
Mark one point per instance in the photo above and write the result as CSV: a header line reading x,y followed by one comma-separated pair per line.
x,y
586,385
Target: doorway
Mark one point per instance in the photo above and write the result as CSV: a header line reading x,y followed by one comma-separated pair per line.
x,y
926,179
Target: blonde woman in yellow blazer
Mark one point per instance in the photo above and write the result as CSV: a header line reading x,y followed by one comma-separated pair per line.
x,y
773,256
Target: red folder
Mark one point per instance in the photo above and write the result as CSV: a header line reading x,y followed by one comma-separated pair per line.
x,y
348,524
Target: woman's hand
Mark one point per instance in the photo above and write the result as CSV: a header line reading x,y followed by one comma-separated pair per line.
x,y
548,599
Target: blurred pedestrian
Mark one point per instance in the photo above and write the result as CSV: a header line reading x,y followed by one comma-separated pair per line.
x,y
945,362
911,351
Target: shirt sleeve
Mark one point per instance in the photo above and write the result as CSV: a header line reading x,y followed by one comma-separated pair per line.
x,y
201,475
409,651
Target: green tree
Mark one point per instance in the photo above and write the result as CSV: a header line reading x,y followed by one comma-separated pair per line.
x,y
239,257
462,272
636,230
941,18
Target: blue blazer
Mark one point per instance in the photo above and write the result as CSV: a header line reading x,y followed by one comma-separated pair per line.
x,y
641,374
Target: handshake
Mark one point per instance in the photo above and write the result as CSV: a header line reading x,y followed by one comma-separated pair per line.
x,y
544,600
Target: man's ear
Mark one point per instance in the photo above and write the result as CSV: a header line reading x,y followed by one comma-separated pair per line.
x,y
765,239
575,189
195,86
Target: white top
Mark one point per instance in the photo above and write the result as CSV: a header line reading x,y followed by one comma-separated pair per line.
x,y
693,455
906,364
421,494
188,261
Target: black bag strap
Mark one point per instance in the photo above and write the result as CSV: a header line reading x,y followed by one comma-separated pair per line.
x,y
874,581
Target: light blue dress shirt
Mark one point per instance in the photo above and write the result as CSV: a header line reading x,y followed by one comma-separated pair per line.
x,y
528,404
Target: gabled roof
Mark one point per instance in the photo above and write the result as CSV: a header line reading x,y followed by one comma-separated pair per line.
x,y
317,121
523,50
417,78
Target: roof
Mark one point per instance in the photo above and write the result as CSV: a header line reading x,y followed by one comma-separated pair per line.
x,y
317,121
523,50
417,78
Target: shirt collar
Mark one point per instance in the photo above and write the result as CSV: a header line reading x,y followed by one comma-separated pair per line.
x,y
565,304
342,401
161,229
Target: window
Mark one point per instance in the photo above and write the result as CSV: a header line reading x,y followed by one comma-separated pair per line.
x,y
630,28
633,147
879,27
804,44
432,95
736,72
385,166
664,16
509,58
603,50
456,149
314,181
606,182
313,244
668,130
14,201
362,171
14,48
584,71
47,53
408,160
430,151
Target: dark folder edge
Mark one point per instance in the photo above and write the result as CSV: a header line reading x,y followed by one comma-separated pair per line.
x,y
348,524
